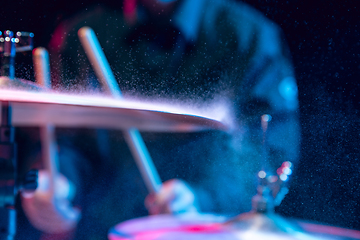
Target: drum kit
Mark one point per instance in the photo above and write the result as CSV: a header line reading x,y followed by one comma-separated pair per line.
x,y
24,103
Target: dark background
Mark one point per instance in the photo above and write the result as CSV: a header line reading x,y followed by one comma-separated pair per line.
x,y
324,39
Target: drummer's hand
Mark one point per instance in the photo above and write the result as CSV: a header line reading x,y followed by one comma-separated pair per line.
x,y
51,213
175,196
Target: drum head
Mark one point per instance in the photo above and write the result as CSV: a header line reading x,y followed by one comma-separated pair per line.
x,y
188,226
194,226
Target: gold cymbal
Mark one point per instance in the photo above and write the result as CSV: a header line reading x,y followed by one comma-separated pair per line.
x,y
31,108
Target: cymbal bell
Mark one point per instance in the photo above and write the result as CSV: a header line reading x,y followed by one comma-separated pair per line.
x,y
253,225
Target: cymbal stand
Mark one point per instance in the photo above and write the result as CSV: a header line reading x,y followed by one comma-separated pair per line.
x,y
271,187
9,182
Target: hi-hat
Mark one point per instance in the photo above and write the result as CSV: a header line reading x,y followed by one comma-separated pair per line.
x,y
66,110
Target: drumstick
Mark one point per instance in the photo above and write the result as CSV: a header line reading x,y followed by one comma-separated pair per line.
x,y
132,136
47,132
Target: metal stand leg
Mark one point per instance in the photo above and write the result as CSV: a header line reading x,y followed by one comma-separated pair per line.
x,y
9,184
8,170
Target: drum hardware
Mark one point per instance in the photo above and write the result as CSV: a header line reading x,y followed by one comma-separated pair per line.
x,y
271,187
262,219
10,44
271,190
10,185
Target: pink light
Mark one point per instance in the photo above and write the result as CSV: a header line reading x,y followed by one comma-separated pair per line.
x,y
158,233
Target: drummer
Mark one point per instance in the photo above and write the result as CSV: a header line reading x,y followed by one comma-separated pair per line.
x,y
199,52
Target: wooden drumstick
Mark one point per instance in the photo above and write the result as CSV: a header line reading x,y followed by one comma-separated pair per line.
x,y
47,132
132,136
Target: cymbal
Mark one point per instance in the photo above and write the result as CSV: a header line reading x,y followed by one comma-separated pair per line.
x,y
19,84
69,110
191,226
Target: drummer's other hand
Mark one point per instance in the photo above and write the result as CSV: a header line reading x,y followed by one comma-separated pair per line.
x,y
51,213
175,196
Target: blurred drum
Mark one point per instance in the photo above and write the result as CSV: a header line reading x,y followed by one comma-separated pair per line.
x,y
184,226
254,226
